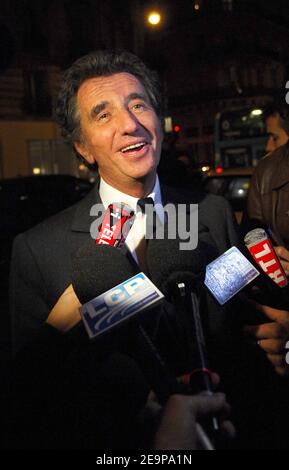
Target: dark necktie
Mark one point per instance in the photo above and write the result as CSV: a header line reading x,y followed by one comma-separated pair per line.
x,y
146,201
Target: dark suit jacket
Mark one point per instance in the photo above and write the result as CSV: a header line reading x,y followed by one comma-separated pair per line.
x,y
41,258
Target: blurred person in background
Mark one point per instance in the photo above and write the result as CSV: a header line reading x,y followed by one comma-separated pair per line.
x,y
276,126
268,196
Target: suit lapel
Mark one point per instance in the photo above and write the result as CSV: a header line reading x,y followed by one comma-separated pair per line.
x,y
82,219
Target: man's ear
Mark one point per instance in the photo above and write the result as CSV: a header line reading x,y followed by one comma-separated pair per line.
x,y
82,150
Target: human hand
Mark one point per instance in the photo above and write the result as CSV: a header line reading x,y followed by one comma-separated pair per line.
x,y
283,256
272,337
214,379
178,428
65,313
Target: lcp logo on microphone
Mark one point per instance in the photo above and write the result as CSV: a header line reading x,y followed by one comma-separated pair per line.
x,y
119,304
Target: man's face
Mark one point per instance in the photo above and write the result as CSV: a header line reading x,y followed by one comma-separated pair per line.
x,y
120,129
277,135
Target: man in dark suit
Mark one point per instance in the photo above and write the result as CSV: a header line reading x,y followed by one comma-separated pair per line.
x,y
109,111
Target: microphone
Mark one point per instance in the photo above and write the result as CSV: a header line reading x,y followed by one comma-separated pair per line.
x,y
237,270
87,282
115,297
165,259
272,287
262,251
179,274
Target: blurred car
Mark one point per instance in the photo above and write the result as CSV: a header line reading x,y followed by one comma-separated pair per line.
x,y
24,202
233,184
27,201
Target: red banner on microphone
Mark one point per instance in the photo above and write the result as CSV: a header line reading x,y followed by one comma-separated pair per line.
x,y
115,226
265,256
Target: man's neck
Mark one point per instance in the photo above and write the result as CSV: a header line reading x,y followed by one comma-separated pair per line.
x,y
137,188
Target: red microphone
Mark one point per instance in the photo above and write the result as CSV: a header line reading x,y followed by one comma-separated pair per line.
x,y
116,224
262,250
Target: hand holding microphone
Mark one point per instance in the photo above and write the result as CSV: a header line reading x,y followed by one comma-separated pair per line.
x,y
273,335
179,427
283,255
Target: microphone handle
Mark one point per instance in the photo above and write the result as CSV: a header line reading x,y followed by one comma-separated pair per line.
x,y
165,384
200,378
203,369
161,378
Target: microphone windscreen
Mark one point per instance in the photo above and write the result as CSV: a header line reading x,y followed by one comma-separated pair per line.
x,y
98,268
169,264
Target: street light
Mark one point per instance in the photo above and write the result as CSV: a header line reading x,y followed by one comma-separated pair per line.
x,y
256,112
154,18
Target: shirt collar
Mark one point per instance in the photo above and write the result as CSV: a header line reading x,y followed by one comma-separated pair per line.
x,y
109,194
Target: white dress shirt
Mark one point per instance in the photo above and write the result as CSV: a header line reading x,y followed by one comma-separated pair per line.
x,y
109,195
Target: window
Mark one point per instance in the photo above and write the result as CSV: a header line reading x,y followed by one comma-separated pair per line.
x,y
53,157
228,5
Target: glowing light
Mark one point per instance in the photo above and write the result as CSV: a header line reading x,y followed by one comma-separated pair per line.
x,y
168,124
154,18
196,6
36,171
177,128
219,170
256,112
205,168
82,167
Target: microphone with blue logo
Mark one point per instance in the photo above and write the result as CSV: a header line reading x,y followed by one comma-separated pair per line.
x,y
111,300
